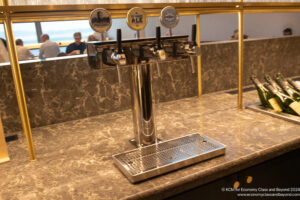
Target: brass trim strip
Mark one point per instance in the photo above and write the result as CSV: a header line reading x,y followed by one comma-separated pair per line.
x,y
122,6
271,10
16,72
241,54
199,59
3,148
202,5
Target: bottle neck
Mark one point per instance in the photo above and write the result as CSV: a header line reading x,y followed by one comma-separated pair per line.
x,y
275,92
289,90
294,84
257,83
284,97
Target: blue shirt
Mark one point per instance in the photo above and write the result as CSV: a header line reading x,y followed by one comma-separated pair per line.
x,y
71,47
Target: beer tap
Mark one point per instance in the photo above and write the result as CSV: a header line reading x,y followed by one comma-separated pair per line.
x,y
190,49
118,57
158,51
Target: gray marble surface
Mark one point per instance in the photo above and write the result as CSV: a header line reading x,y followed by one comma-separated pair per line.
x,y
74,158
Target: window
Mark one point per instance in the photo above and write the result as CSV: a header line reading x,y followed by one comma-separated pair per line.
x,y
2,31
26,32
64,30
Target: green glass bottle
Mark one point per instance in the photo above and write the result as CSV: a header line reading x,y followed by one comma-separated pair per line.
x,y
288,104
273,100
262,92
294,84
273,83
289,90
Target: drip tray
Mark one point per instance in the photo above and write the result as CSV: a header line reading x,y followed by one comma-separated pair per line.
x,y
288,117
145,162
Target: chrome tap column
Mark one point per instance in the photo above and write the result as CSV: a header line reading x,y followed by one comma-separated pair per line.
x,y
141,87
142,107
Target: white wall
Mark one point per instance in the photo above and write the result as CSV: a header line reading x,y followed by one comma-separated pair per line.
x,y
271,24
259,25
218,27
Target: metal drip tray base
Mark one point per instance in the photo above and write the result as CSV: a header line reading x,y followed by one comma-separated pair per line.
x,y
288,117
145,162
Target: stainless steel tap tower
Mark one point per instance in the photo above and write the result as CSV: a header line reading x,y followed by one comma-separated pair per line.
x,y
142,107
141,87
150,158
142,55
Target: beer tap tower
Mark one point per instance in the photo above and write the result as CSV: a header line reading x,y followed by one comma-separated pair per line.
x,y
142,54
141,87
150,158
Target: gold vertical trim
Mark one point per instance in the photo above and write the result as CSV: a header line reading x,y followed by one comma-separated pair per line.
x,y
199,59
3,148
16,72
241,51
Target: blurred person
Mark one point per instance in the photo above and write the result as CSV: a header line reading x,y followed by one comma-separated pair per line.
x,y
235,35
4,57
90,39
48,49
287,31
4,42
23,52
76,47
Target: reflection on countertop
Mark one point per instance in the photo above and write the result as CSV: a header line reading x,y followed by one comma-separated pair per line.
x,y
74,158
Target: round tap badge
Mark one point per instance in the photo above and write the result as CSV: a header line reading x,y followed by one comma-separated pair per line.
x,y
136,18
100,20
169,17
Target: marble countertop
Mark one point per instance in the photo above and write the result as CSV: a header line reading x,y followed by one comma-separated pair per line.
x,y
74,158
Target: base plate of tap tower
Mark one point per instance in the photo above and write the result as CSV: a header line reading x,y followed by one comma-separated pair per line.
x,y
287,117
156,159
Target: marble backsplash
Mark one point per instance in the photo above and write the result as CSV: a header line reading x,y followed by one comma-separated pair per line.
x,y
67,89
220,61
64,89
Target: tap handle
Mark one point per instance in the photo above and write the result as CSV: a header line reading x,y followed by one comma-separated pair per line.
x,y
119,40
194,31
158,37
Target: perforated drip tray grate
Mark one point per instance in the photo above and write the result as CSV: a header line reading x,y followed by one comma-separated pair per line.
x,y
142,163
287,117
